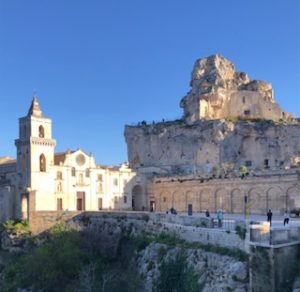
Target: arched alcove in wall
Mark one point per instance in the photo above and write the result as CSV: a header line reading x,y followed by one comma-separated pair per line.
x,y
193,198
293,197
164,202
276,200
207,200
179,201
237,201
223,200
258,201
138,198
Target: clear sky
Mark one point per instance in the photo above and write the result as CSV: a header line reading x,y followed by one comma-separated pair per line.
x,y
98,65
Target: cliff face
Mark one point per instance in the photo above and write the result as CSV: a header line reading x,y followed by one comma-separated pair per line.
x,y
176,147
219,91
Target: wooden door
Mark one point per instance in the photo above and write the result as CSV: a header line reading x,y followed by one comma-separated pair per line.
x,y
80,201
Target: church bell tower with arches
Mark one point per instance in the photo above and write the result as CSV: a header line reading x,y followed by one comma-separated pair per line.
x,y
35,156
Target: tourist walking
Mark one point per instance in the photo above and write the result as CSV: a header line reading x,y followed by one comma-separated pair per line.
x,y
269,216
220,218
286,218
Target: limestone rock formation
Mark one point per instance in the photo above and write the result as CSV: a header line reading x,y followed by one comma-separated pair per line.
x,y
219,91
228,120
215,272
178,148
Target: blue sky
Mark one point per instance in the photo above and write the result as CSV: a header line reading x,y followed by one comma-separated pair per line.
x,y
98,65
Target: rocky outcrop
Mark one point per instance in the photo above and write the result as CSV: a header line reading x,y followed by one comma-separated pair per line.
x,y
219,91
215,272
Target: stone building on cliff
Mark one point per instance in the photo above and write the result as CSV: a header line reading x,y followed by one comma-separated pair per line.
x,y
233,145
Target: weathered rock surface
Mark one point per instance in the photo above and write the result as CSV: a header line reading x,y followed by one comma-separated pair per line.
x,y
216,272
228,119
176,147
219,91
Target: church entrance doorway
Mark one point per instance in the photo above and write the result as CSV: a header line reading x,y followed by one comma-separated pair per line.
x,y
80,201
137,198
100,204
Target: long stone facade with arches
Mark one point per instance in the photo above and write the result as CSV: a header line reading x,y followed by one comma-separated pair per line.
x,y
255,195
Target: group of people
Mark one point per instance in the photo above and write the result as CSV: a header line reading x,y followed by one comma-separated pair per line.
x,y
172,211
286,217
220,217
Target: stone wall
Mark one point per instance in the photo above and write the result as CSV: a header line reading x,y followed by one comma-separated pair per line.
x,y
276,192
40,221
273,269
183,226
157,223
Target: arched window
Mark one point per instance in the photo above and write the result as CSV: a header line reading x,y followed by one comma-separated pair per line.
x,y
41,132
87,173
42,163
73,171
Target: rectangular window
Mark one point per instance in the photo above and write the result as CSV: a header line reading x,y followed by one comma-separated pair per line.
x,y
247,113
87,173
266,163
125,199
248,163
59,204
116,182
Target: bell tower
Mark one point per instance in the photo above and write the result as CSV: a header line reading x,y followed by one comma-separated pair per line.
x,y
35,149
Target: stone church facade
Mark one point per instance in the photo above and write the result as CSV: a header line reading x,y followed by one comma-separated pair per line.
x,y
42,180
234,148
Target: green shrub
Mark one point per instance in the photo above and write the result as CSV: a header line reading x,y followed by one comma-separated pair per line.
x,y
56,264
243,169
169,239
175,275
16,226
141,242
